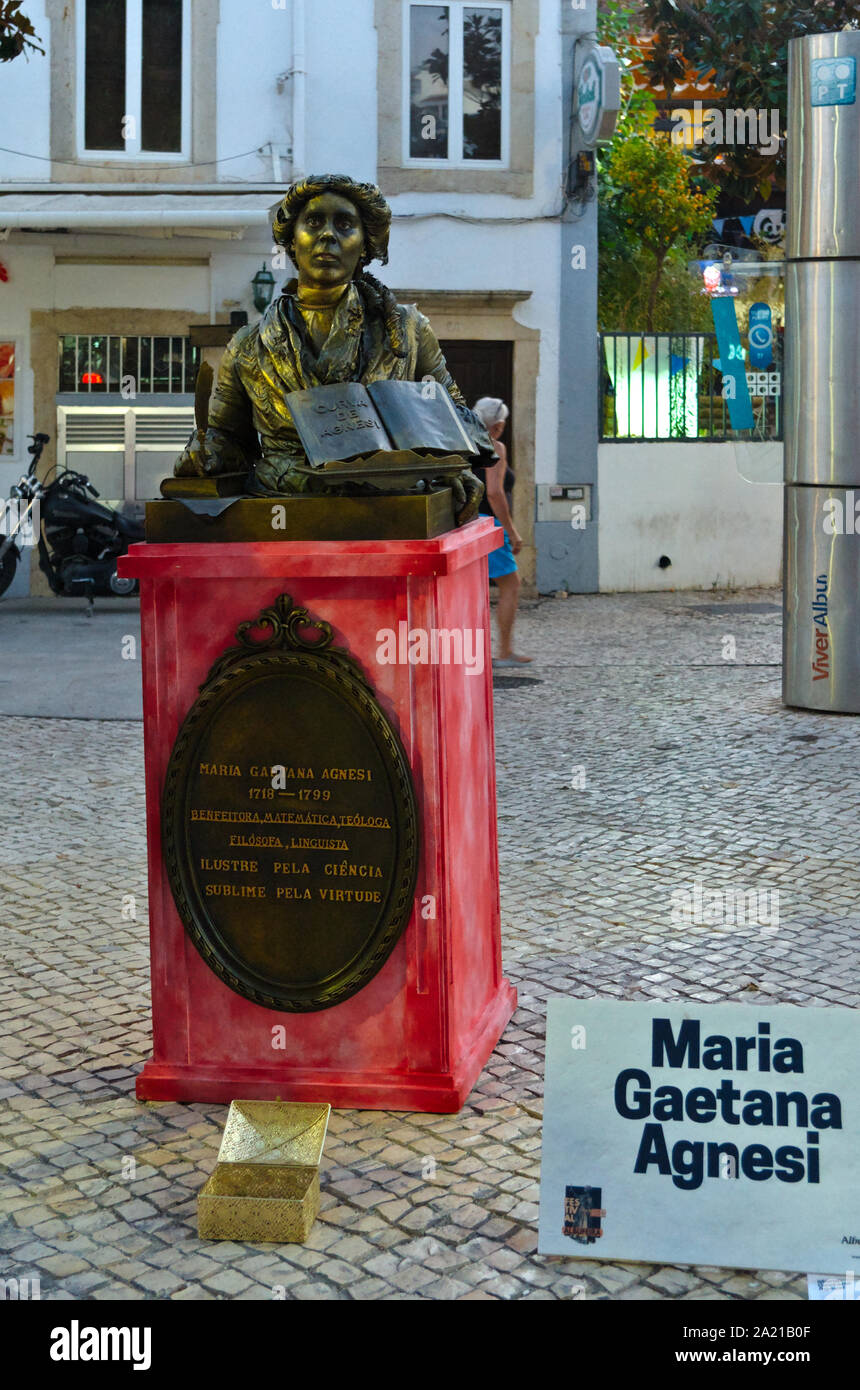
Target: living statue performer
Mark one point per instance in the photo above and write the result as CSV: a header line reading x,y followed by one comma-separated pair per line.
x,y
335,323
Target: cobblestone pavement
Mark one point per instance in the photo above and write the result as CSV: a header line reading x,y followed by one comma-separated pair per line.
x,y
692,770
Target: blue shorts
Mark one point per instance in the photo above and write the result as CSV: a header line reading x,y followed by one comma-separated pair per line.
x,y
501,561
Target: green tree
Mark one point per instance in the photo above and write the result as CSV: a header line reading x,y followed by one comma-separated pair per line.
x,y
482,61
650,210
16,31
744,43
482,69
617,26
482,55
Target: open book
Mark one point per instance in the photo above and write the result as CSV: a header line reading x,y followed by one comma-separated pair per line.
x,y
351,421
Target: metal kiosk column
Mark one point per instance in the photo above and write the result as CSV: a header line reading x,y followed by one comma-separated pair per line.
x,y
821,667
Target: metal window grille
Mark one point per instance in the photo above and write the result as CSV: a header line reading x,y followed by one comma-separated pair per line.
x,y
98,363
668,387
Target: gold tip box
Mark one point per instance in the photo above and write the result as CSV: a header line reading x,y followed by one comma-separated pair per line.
x,y
266,1184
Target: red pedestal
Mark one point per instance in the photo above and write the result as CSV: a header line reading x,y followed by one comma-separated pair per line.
x,y
417,1036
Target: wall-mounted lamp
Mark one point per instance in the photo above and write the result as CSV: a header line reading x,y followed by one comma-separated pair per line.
x,y
264,284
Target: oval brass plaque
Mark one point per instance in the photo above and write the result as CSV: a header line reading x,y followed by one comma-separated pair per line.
x,y
289,820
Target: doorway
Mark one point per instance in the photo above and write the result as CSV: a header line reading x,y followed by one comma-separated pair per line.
x,y
484,368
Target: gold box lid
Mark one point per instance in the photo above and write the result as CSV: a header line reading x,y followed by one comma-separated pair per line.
x,y
272,1131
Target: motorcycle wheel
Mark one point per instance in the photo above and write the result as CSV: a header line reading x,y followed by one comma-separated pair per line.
x,y
8,566
122,587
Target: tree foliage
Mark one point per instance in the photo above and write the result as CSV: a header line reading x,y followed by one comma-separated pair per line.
x,y
744,44
624,292
482,69
652,206
617,25
16,32
482,51
650,210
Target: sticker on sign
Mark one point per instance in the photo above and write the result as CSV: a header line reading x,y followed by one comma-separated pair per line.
x,y
833,81
833,1288
710,1134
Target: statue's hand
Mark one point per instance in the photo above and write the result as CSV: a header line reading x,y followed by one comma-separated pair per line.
x,y
192,462
468,491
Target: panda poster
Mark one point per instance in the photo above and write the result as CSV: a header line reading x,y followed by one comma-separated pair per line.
x,y
702,1134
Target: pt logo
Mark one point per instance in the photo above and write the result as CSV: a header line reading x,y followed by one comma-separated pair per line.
x,y
833,81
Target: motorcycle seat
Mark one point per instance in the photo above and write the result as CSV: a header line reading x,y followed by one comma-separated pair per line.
x,y
129,528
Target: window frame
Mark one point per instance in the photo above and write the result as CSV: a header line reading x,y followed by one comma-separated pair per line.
x,y
455,88
133,89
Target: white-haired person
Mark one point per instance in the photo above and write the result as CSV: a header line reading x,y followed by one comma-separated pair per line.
x,y
498,480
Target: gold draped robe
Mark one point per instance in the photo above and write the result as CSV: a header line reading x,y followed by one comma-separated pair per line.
x,y
249,422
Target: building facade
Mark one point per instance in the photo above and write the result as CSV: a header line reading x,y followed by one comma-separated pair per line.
x,y
145,149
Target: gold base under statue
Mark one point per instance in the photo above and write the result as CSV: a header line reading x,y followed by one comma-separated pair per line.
x,y
417,516
266,1183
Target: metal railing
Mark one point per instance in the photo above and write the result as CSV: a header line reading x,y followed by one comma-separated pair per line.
x,y
102,362
668,387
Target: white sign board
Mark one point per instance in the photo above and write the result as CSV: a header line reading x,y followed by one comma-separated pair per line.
x,y
598,97
710,1134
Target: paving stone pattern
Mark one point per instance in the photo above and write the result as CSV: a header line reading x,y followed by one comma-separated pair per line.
x,y
692,770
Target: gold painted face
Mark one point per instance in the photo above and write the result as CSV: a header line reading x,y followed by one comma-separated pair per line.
x,y
328,243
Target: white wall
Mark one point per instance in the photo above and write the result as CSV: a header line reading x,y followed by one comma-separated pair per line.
x,y
690,502
25,106
341,61
29,286
254,50
144,286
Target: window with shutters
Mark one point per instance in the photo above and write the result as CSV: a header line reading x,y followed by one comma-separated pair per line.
x,y
125,451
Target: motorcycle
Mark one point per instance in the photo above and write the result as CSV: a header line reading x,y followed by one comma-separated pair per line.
x,y
79,539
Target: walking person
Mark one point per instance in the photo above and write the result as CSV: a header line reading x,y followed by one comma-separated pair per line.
x,y
498,479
